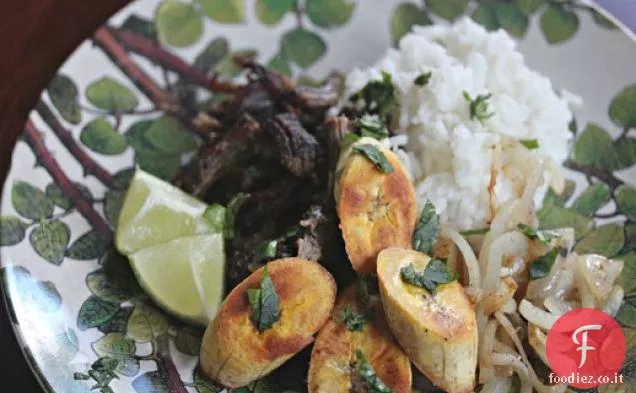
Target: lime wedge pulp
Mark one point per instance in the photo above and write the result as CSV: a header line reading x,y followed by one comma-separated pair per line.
x,y
155,211
184,276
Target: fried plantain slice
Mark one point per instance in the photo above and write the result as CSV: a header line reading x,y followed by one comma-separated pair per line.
x,y
438,332
234,353
334,352
376,209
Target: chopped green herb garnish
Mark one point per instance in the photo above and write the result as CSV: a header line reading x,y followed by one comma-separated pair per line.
x,y
544,236
542,266
375,156
435,273
425,232
264,302
216,217
377,96
367,287
530,144
372,126
479,106
232,210
423,79
368,376
349,139
479,231
265,251
355,322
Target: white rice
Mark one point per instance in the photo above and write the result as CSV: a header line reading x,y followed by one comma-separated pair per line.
x,y
450,156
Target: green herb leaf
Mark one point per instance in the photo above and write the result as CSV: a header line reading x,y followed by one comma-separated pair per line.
x,y
542,266
377,96
375,156
423,79
348,139
544,236
264,302
479,106
265,251
479,231
216,217
368,376
355,322
435,273
232,210
372,126
425,232
530,144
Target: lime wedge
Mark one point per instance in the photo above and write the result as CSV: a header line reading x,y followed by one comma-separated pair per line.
x,y
184,276
155,211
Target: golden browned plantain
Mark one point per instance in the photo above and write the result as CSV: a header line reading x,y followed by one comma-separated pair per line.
x,y
376,209
437,332
334,352
234,353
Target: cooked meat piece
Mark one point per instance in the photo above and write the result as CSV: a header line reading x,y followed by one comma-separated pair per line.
x,y
214,161
299,151
268,204
321,241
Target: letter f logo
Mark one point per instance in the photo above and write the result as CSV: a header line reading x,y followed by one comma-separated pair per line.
x,y
584,347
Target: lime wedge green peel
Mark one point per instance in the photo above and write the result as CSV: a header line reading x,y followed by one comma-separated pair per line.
x,y
172,248
155,212
184,276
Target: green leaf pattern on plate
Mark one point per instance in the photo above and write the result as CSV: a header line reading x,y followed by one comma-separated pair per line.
x,y
30,202
111,96
64,94
146,323
101,137
178,23
50,239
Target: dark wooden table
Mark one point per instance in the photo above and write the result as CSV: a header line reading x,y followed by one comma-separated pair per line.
x,y
36,36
